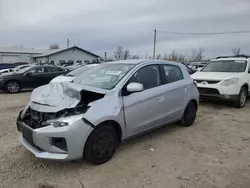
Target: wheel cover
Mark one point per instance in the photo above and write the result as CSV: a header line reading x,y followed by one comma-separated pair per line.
x,y
13,87
242,98
103,145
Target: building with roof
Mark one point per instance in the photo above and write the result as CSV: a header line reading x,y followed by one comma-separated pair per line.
x,y
72,54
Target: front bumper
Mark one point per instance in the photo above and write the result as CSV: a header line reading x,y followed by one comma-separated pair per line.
x,y
220,97
215,91
39,141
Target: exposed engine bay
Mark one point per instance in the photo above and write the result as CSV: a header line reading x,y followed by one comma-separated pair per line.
x,y
35,119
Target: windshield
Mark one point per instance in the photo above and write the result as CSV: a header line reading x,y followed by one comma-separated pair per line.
x,y
226,66
104,76
21,67
80,70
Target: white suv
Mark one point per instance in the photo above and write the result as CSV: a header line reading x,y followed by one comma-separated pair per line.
x,y
226,78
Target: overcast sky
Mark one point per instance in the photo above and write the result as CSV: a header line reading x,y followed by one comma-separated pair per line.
x,y
102,25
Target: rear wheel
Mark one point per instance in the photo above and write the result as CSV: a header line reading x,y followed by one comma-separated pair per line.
x,y
189,114
12,87
101,145
242,98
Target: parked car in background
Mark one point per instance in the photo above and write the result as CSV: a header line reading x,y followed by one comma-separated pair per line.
x,y
4,71
89,117
20,67
11,65
30,77
225,78
6,66
73,74
190,71
20,63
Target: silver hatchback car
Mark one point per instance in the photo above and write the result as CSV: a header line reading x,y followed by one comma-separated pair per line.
x,y
88,117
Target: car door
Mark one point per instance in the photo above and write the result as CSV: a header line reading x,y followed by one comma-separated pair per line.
x,y
144,110
34,77
176,92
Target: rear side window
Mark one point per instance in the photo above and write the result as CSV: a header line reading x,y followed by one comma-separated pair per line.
x,y
54,69
172,73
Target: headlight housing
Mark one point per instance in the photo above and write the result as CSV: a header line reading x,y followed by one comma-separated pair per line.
x,y
230,82
56,123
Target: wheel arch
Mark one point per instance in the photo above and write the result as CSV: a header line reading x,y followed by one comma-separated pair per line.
x,y
193,101
246,86
115,125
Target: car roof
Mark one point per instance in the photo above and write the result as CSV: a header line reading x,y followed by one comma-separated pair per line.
x,y
231,58
139,61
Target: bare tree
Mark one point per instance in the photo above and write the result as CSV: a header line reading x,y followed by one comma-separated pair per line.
x,y
120,54
135,56
54,46
236,51
174,56
197,55
126,54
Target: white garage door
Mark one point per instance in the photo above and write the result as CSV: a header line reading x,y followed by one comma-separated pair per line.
x,y
10,58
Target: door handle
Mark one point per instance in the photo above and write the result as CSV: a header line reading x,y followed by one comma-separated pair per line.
x,y
184,90
160,98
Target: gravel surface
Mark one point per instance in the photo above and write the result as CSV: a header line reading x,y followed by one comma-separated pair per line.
x,y
214,153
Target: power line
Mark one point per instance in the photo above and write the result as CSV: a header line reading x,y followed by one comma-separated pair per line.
x,y
205,33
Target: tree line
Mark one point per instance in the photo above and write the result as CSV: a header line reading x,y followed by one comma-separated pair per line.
x,y
197,55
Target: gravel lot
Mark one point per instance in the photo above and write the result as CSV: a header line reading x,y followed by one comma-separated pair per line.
x,y
213,153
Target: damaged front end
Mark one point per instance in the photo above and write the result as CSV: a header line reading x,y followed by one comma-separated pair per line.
x,y
55,101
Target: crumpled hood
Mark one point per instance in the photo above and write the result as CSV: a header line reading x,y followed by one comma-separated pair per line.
x,y
58,96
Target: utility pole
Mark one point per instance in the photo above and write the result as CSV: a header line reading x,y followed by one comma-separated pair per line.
x,y
154,43
67,43
105,56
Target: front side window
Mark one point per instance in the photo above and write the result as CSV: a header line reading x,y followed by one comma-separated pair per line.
x,y
37,70
148,76
226,66
172,73
104,76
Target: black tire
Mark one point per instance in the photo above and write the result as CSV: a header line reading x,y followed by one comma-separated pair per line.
x,y
242,98
101,145
12,86
189,115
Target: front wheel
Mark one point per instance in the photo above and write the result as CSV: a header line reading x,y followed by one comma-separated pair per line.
x,y
101,145
189,115
242,98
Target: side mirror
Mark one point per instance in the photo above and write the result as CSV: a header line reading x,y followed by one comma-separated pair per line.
x,y
29,74
134,87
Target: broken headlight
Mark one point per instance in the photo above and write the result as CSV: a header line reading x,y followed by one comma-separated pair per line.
x,y
56,123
